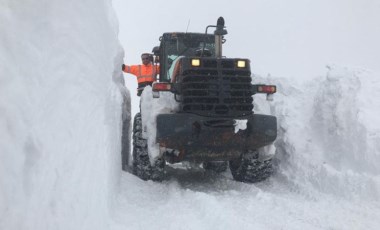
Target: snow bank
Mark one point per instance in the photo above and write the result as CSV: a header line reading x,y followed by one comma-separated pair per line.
x,y
329,134
59,114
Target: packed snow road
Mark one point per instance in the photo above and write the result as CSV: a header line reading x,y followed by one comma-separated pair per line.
x,y
197,200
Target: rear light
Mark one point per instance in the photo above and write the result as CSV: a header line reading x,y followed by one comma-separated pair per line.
x,y
270,89
159,86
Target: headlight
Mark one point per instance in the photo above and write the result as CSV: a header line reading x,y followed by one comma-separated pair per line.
x,y
195,62
241,64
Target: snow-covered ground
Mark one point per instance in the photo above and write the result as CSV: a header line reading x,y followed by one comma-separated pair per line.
x,y
61,100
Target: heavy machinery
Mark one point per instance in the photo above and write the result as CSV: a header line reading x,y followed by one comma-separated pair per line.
x,y
215,96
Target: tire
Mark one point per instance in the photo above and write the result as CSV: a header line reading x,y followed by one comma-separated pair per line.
x,y
216,166
248,168
125,145
141,165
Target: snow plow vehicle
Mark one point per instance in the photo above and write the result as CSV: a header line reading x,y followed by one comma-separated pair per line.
x,y
215,124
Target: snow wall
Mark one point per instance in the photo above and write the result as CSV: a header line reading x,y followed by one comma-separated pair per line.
x,y
60,113
328,133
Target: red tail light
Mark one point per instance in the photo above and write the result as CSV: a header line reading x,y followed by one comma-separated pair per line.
x,y
159,86
266,89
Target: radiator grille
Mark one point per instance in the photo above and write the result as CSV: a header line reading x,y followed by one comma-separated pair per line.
x,y
217,87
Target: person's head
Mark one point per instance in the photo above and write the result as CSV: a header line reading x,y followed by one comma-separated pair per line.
x,y
146,58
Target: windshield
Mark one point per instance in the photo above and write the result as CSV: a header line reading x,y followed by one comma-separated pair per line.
x,y
177,45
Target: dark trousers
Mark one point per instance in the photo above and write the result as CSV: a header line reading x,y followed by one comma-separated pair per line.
x,y
141,87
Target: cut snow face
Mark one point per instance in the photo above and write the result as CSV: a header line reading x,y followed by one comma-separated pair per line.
x,y
325,141
60,114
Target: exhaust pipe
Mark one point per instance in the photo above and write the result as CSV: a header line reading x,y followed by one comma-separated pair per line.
x,y
219,32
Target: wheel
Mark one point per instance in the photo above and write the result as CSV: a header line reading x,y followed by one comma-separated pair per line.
x,y
216,166
248,168
141,165
125,145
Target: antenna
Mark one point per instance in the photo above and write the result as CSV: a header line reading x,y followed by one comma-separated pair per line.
x,y
188,23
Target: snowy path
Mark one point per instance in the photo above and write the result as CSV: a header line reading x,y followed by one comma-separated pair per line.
x,y
193,200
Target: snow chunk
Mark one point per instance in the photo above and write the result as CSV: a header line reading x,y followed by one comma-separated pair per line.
x,y
240,125
150,108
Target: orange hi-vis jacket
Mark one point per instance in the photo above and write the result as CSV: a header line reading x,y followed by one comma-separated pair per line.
x,y
144,73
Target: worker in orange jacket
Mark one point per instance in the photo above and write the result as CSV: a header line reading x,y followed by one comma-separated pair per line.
x,y
146,73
